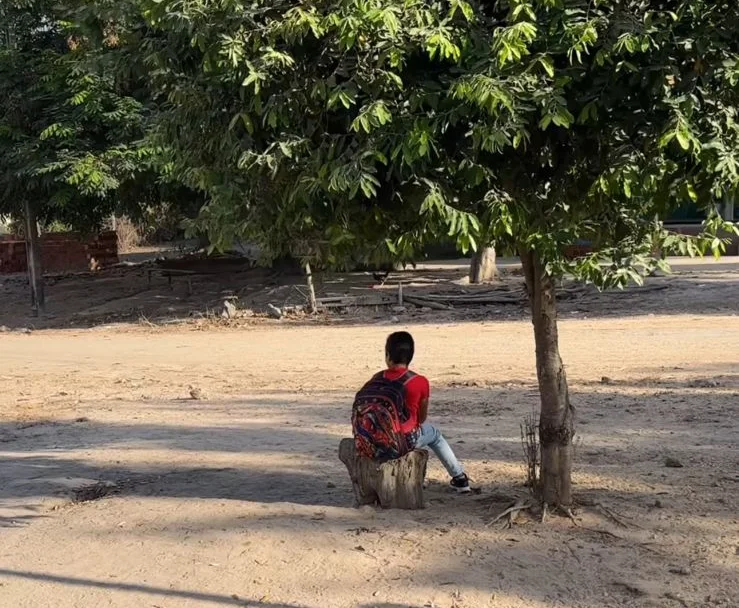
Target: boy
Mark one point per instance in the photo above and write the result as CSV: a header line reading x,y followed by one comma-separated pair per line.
x,y
419,433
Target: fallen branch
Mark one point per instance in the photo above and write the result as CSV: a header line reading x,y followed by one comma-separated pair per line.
x,y
448,297
500,300
426,303
144,321
464,300
348,301
644,289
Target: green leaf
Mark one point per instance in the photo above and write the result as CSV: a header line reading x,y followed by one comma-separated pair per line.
x,y
369,185
691,192
717,247
285,149
627,188
683,138
341,96
548,65
466,9
666,138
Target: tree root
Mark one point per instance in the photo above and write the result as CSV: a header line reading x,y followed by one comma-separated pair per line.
x,y
607,513
612,516
510,512
574,554
603,532
567,511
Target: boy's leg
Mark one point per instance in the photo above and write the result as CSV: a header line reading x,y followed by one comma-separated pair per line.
x,y
431,437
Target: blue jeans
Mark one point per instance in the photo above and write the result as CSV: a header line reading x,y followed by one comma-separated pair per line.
x,y
428,436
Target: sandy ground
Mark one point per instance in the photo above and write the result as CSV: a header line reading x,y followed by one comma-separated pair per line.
x,y
238,499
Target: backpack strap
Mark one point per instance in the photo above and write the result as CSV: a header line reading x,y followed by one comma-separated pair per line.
x,y
407,377
404,379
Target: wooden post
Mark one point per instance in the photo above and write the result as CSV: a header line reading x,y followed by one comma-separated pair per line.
x,y
311,290
33,257
400,293
397,484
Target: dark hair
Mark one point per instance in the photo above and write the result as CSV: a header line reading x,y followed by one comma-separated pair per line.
x,y
399,348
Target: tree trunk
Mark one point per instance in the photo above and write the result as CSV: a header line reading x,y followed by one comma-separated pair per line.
x,y
397,484
33,257
482,266
556,422
728,210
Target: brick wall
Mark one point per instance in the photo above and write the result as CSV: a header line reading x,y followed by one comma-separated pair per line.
x,y
61,252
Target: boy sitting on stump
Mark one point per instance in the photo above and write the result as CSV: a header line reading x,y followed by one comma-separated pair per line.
x,y
390,411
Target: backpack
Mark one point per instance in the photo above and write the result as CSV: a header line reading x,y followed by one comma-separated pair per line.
x,y
377,415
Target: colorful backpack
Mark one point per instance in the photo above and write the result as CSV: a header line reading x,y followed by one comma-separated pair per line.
x,y
377,415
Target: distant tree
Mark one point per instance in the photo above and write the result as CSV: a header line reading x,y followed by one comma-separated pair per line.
x,y
68,132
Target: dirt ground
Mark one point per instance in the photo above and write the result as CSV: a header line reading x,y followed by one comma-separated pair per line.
x,y
118,488
140,291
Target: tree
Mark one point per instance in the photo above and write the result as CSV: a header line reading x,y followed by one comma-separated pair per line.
x,y
377,125
72,126
68,131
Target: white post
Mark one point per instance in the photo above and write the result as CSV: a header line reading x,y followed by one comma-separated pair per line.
x,y
311,289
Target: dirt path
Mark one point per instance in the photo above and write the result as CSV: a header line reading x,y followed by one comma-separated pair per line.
x,y
238,499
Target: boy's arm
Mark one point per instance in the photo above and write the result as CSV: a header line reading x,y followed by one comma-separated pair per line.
x,y
423,404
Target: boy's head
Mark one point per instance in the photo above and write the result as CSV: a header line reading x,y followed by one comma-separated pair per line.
x,y
399,348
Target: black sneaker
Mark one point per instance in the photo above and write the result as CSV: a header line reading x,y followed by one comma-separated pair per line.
x,y
461,484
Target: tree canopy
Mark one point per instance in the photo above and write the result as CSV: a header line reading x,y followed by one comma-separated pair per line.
x,y
328,126
334,127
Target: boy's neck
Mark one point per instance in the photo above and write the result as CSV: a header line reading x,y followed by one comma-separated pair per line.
x,y
397,366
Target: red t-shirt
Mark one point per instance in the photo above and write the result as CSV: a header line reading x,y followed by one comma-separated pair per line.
x,y
416,390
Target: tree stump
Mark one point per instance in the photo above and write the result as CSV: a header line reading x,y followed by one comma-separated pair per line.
x,y
482,266
397,484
